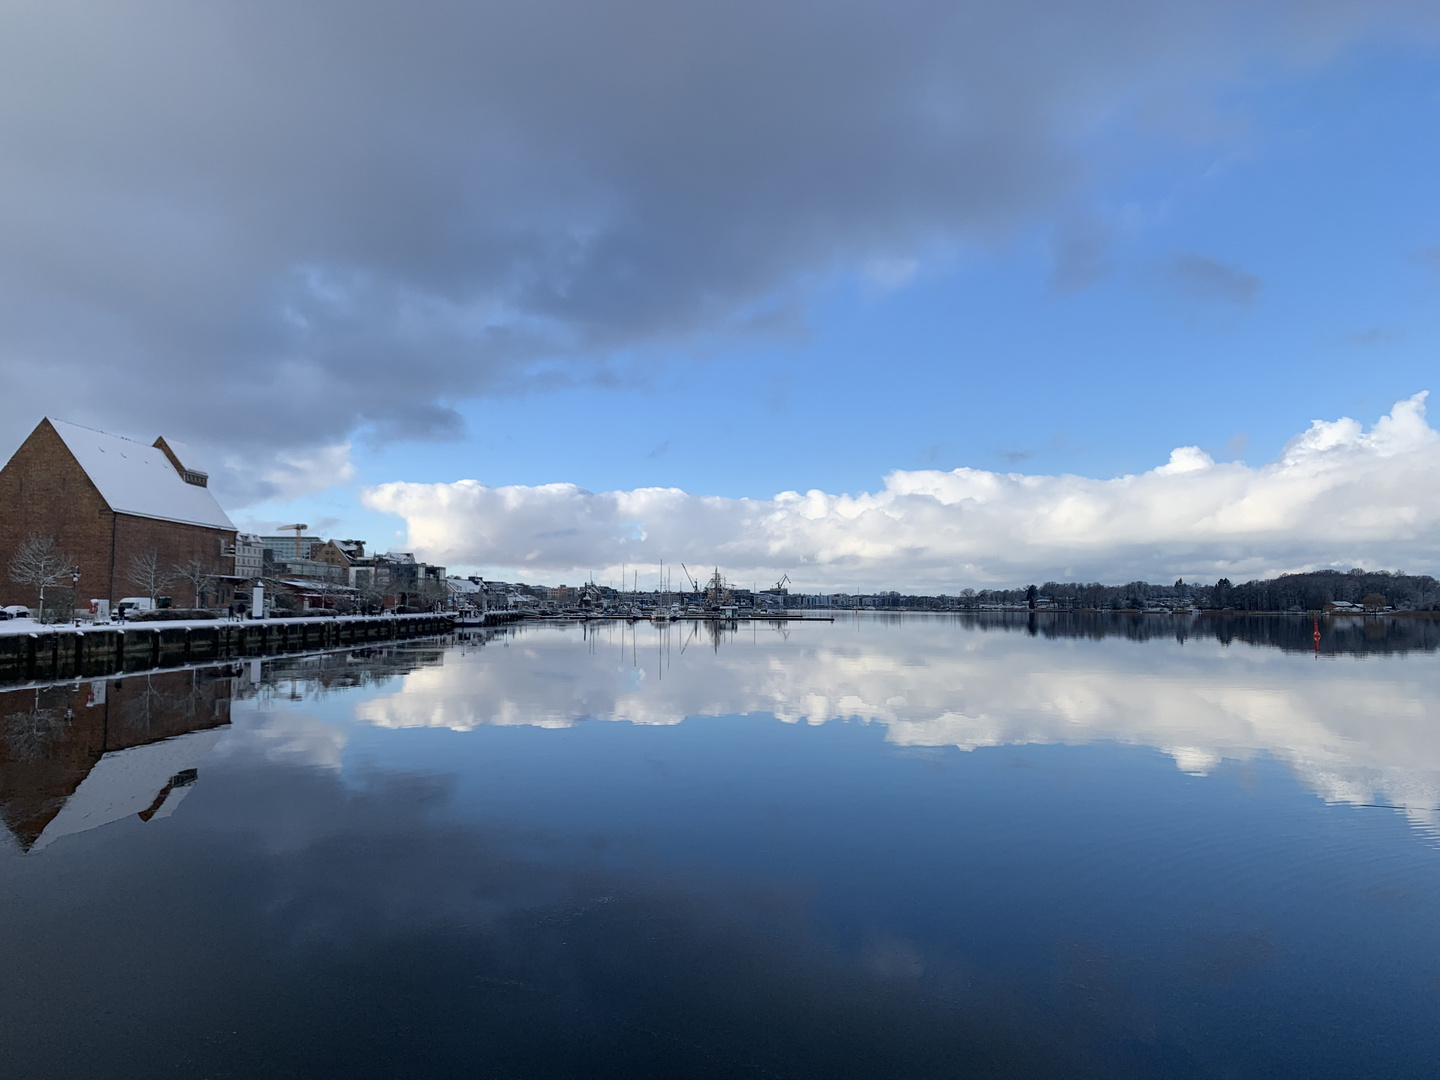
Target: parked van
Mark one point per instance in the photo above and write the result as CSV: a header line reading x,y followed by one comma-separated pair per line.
x,y
133,605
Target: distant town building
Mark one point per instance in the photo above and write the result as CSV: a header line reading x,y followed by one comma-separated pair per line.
x,y
108,501
333,554
249,557
466,592
283,548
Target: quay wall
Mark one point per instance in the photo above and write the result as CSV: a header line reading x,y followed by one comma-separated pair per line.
x,y
68,652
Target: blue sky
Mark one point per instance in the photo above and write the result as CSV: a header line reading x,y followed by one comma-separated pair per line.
x,y
1322,191
1211,232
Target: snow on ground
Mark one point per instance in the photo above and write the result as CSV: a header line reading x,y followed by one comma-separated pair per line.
x,y
32,626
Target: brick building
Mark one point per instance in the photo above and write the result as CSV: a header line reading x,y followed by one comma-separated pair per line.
x,y
106,501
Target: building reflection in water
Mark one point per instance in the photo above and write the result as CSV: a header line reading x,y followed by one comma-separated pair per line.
x,y
80,755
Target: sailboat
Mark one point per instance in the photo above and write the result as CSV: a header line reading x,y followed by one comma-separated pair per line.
x,y
661,612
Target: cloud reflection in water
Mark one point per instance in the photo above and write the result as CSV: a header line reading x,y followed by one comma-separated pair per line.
x,y
1352,730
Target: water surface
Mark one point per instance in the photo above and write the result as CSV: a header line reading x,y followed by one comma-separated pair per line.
x,y
910,847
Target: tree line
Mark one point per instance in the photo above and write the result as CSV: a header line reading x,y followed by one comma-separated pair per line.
x,y
1383,635
1289,592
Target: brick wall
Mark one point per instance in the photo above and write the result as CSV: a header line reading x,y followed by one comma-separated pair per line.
x,y
44,492
175,545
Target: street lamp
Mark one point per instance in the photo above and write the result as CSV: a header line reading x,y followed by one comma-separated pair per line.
x,y
75,583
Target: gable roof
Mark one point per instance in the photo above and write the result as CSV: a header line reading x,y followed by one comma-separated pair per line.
x,y
137,479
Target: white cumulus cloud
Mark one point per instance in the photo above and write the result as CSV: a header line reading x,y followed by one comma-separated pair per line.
x,y
1338,495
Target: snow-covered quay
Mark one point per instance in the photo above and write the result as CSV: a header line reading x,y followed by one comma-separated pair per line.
x,y
31,651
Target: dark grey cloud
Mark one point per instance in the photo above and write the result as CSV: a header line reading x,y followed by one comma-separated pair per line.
x,y
1199,277
269,226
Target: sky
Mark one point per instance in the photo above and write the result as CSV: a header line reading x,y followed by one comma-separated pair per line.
x,y
908,295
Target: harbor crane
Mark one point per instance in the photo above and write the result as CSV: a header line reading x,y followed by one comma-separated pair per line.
x,y
694,585
780,585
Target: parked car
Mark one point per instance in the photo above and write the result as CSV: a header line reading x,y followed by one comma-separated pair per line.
x,y
16,611
133,605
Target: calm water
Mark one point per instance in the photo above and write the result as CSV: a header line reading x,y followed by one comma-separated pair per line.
x,y
917,847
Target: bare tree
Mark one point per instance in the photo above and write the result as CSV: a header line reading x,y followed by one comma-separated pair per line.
x,y
39,561
30,734
198,575
368,594
148,575
333,595
279,594
431,593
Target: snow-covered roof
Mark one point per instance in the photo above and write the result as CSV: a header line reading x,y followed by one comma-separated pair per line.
x,y
186,456
138,479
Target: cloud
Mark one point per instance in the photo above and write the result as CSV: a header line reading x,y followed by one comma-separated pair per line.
x,y
1338,495
290,474
284,736
891,275
1199,277
335,220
